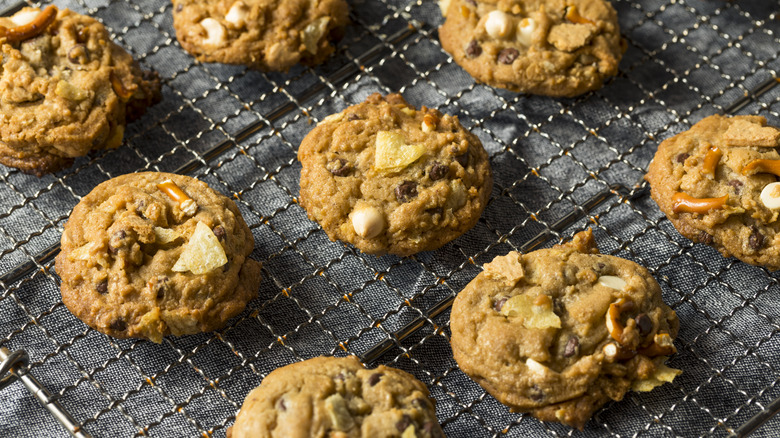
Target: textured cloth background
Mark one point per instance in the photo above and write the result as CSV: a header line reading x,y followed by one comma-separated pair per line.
x,y
239,131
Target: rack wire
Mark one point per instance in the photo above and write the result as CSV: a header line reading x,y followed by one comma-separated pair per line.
x,y
559,165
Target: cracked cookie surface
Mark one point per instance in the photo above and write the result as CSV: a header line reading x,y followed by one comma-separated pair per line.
x,y
338,397
150,254
269,35
65,89
718,184
559,332
549,47
388,178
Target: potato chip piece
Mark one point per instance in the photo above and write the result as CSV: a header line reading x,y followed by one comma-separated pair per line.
x,y
202,253
392,152
312,34
165,235
663,374
534,316
82,252
337,410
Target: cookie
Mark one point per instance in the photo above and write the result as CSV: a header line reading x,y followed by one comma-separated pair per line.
x,y
149,254
269,35
718,184
388,178
549,47
65,89
338,397
559,332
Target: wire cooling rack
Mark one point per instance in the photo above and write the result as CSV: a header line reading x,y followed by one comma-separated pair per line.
x,y
559,165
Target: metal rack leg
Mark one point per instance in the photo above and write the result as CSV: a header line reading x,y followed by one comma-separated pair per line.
x,y
13,366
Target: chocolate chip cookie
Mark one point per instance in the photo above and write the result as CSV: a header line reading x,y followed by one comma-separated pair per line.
x,y
718,184
270,35
338,397
547,47
559,332
388,178
150,254
65,89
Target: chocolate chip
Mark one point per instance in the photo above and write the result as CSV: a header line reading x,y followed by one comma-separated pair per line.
x,y
78,54
572,347
118,325
756,240
374,379
438,171
339,167
498,305
472,2
402,424
463,159
102,287
433,430
117,241
705,237
508,55
682,157
179,7
339,376
473,49
737,185
406,191
219,231
435,211
282,406
160,285
420,402
352,117
644,324
537,394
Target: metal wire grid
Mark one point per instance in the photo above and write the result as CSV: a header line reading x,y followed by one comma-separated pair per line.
x,y
559,166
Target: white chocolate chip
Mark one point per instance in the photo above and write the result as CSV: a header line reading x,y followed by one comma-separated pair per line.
x,y
217,36
368,222
498,24
237,14
610,350
25,16
426,127
770,196
612,282
525,31
535,367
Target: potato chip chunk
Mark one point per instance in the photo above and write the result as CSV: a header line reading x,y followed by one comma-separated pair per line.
x,y
202,253
312,34
392,152
536,314
165,235
663,374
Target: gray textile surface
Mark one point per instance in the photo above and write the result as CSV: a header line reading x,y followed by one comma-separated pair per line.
x,y
686,59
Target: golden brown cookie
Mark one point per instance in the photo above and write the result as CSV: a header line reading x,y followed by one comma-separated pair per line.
x,y
717,183
338,397
270,35
149,254
559,332
549,47
388,178
65,89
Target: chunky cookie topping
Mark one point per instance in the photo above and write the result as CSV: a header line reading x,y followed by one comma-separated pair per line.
x,y
559,332
338,397
65,89
717,183
387,177
262,34
542,47
150,254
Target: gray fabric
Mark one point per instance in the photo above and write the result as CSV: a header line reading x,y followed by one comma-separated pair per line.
x,y
686,59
